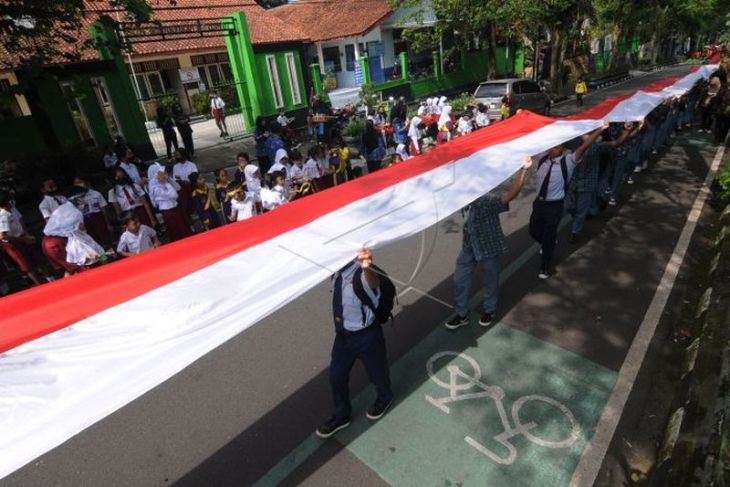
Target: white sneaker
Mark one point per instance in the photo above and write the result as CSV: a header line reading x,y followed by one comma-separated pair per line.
x,y
544,275
630,180
612,202
645,165
637,169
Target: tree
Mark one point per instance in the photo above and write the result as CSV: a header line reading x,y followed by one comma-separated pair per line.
x,y
31,29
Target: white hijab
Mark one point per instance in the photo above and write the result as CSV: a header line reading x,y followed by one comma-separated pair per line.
x,y
152,172
445,116
253,184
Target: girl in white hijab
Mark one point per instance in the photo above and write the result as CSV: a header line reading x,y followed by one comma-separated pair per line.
x,y
445,124
253,178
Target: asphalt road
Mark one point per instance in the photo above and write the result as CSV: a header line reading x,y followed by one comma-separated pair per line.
x,y
237,414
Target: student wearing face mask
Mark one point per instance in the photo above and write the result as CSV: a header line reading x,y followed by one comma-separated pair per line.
x,y
127,196
52,198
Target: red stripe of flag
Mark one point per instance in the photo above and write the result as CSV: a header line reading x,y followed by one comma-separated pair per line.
x,y
39,311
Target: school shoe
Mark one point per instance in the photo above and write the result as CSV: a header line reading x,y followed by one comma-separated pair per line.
x,y
457,322
645,165
612,202
630,180
637,169
378,409
543,274
332,426
486,319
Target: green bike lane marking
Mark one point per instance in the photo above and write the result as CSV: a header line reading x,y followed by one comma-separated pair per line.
x,y
418,443
450,341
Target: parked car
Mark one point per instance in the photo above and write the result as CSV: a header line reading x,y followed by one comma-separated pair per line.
x,y
522,93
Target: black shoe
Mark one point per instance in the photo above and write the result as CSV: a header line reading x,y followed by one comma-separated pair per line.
x,y
574,238
332,426
486,319
457,322
378,409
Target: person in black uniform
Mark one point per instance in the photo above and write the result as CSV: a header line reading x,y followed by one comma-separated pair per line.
x,y
357,336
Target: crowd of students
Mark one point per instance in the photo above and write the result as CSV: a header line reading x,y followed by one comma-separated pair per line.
x,y
85,228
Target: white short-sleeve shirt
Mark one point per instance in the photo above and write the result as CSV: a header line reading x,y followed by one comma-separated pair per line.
x,y
10,222
136,244
127,197
243,209
182,170
92,202
49,204
352,307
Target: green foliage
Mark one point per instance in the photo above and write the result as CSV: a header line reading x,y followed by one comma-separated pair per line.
x,y
369,97
355,128
723,179
34,31
459,103
199,103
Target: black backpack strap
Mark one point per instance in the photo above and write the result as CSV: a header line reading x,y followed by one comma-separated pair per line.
x,y
542,161
564,170
360,290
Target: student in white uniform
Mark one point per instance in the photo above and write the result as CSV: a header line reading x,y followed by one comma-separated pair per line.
x,y
414,133
465,125
242,206
129,164
276,196
164,194
126,196
183,167
482,117
52,198
312,168
296,173
137,238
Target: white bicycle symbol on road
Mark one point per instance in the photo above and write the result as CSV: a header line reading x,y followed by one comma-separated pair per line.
x,y
463,387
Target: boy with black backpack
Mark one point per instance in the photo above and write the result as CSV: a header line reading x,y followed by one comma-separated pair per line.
x,y
362,300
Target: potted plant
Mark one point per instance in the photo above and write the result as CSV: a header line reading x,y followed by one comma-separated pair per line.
x,y
352,132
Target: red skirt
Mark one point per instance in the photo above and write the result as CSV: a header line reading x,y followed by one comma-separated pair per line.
x,y
54,248
144,218
176,223
184,196
95,224
20,253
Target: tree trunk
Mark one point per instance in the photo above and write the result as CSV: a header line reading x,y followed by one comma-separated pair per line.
x,y
615,41
654,48
492,52
556,56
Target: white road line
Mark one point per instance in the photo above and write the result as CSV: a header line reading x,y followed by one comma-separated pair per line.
x,y
595,451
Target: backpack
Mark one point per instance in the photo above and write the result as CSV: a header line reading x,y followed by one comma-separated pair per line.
x,y
384,310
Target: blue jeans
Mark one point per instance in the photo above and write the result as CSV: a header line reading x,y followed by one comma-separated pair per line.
x,y
369,347
580,204
465,265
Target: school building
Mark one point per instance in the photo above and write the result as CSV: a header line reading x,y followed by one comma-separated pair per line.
x,y
356,42
181,56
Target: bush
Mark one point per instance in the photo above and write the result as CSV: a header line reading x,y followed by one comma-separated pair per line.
x,y
199,103
723,179
460,103
355,128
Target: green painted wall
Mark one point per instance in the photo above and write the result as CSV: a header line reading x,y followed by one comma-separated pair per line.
x,y
266,91
476,70
122,93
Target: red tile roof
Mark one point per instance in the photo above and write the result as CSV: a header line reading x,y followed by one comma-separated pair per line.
x,y
264,27
324,20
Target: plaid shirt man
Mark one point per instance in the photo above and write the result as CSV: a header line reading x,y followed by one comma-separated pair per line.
x,y
482,231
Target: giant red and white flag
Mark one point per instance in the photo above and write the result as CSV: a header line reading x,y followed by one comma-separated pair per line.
x,y
76,350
